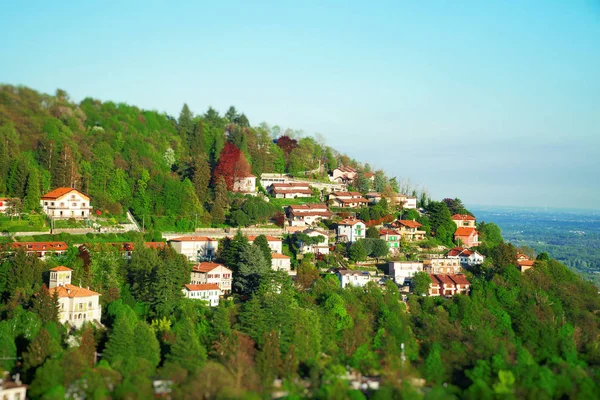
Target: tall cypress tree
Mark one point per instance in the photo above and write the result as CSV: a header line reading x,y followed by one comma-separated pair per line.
x,y
187,350
32,192
220,204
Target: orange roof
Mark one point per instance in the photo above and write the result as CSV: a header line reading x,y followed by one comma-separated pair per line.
x,y
61,268
193,239
388,232
206,266
369,175
463,217
352,200
202,286
40,246
445,279
465,231
71,291
409,223
308,207
526,263
434,280
279,256
59,192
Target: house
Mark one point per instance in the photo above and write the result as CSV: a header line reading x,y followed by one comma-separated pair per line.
x,y
370,176
524,265
441,265
195,248
314,248
448,285
12,390
290,190
347,199
275,244
4,204
466,257
469,237
40,249
245,184
343,175
307,214
76,305
66,203
208,292
409,229
350,230
267,179
522,257
373,197
353,277
401,271
280,262
464,220
404,201
210,272
391,237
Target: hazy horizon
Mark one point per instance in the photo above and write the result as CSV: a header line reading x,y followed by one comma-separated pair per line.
x,y
494,103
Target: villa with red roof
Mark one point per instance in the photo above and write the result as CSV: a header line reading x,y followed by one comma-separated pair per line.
x,y
343,174
469,237
464,220
409,229
467,257
210,272
448,285
347,199
40,249
208,292
524,265
76,305
350,230
281,262
290,190
391,237
195,248
307,214
66,203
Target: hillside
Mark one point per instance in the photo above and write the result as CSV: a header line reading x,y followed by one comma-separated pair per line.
x,y
162,168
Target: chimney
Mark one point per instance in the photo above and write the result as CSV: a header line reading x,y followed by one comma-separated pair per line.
x,y
17,378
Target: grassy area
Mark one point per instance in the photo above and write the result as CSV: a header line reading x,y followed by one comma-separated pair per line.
x,y
88,238
27,223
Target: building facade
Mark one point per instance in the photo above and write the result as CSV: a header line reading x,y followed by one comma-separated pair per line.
x,y
210,272
64,203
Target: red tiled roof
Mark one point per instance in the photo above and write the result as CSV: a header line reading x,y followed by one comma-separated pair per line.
x,y
71,291
61,268
346,169
279,256
456,251
459,279
445,279
388,232
193,239
369,175
465,231
206,266
526,263
289,185
462,217
409,223
346,194
291,191
373,194
308,207
202,286
434,280
352,200
40,246
59,192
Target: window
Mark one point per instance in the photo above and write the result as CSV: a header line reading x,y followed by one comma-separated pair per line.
x,y
62,204
52,203
45,203
90,304
82,204
74,204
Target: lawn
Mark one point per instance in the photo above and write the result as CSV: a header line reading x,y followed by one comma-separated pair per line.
x,y
27,223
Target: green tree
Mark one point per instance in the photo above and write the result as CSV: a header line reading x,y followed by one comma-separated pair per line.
x,y
357,251
421,282
372,233
251,270
146,345
33,193
187,350
42,347
220,204
262,242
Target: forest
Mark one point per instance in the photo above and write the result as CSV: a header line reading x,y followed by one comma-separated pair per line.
x,y
516,335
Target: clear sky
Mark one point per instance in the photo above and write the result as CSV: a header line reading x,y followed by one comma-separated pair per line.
x,y
493,102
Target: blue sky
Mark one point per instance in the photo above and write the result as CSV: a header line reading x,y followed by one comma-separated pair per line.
x,y
492,102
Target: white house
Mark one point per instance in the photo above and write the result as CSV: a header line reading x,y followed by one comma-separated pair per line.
x,y
12,390
350,230
353,277
208,292
210,272
195,248
275,244
245,184
467,257
307,214
374,197
402,271
290,190
65,203
76,305
280,262
4,202
343,174
392,238
268,178
318,248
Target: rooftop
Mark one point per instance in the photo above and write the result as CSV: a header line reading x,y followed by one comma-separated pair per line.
x,y
202,286
59,192
71,291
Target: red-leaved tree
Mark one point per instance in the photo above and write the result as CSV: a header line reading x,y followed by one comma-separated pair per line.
x,y
232,165
287,144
